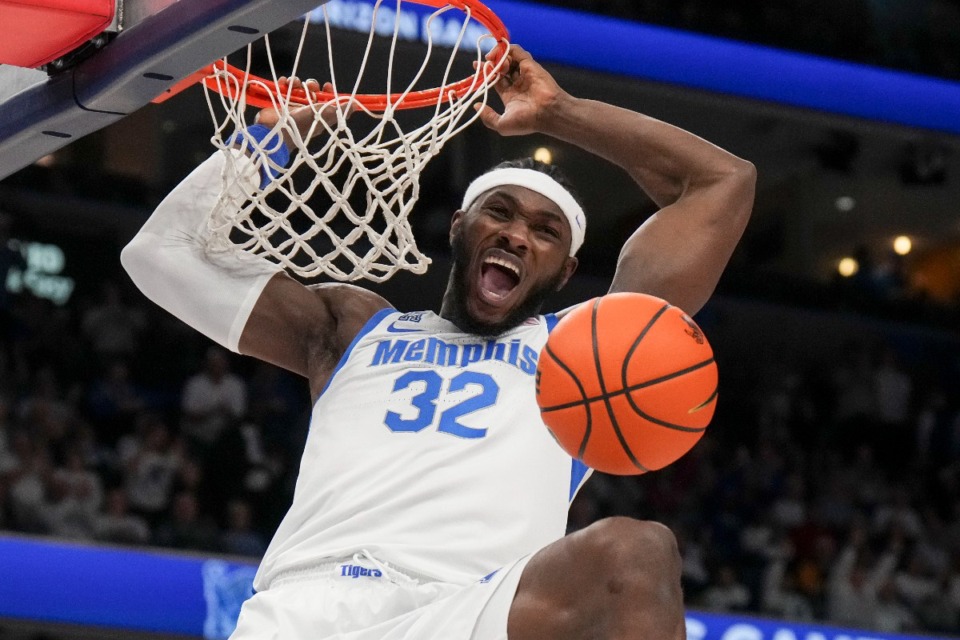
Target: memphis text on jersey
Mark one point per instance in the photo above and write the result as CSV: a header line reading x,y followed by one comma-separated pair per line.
x,y
448,354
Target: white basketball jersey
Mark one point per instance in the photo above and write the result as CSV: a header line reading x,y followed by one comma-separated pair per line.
x,y
427,450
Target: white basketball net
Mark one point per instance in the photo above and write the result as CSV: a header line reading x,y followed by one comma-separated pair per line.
x,y
292,223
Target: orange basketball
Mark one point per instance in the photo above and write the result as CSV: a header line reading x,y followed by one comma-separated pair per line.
x,y
627,383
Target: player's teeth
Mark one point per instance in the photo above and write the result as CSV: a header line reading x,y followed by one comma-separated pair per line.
x,y
503,263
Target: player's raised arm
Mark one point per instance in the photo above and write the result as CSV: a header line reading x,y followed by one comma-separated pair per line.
x,y
241,301
705,193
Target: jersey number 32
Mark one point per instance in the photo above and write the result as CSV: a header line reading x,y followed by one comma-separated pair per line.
x,y
425,402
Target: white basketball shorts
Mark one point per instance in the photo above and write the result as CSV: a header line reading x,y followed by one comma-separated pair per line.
x,y
361,599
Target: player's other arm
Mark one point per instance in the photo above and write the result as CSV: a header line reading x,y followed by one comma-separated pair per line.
x,y
705,193
706,196
243,302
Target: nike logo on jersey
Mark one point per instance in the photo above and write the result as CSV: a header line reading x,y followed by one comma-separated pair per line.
x,y
392,328
487,578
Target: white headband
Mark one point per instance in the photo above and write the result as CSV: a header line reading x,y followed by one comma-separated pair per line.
x,y
535,181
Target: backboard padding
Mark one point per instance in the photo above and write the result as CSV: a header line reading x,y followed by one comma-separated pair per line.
x,y
141,63
37,32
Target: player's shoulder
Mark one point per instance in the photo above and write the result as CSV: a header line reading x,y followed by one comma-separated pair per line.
x,y
342,294
350,305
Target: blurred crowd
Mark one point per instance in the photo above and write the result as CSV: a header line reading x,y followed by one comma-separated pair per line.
x,y
827,492
118,424
921,36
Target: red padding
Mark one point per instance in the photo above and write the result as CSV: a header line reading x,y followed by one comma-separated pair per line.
x,y
34,32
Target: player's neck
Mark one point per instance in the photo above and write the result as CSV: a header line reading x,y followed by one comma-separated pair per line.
x,y
452,309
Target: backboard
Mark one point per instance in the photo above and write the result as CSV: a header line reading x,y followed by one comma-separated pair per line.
x,y
159,43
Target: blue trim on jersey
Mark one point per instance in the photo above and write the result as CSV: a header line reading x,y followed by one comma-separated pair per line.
x,y
578,470
578,475
552,321
367,328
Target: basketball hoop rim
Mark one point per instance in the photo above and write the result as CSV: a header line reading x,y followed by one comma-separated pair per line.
x,y
263,93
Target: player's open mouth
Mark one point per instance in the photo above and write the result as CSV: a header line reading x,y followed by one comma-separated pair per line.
x,y
499,276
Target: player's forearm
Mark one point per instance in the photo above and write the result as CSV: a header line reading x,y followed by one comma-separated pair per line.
x,y
170,264
666,161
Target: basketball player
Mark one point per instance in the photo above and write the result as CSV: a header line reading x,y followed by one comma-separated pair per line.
x,y
431,502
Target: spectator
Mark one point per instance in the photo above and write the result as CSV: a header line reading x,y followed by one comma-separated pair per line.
x,y
898,513
938,613
185,527
115,524
275,400
890,615
727,593
866,478
694,575
239,537
96,457
213,399
790,510
781,597
852,597
112,327
27,481
894,395
45,410
150,468
74,495
941,428
113,402
914,583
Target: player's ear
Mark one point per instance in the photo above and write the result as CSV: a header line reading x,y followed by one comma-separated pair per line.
x,y
569,268
455,222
